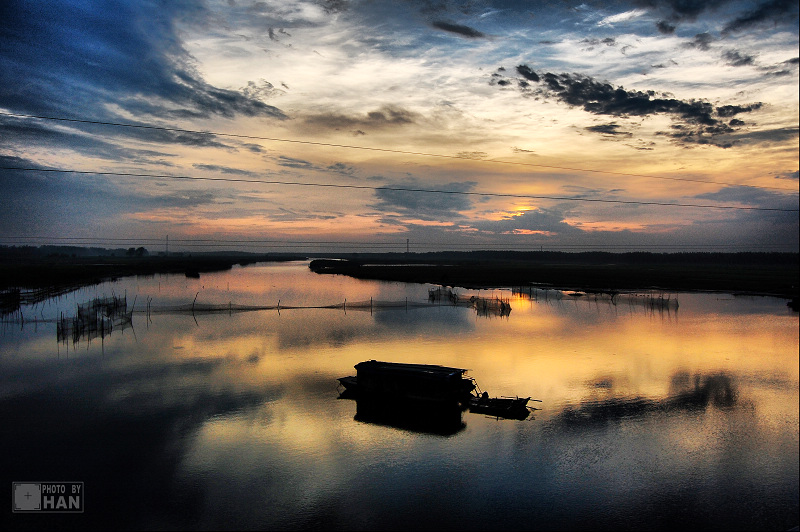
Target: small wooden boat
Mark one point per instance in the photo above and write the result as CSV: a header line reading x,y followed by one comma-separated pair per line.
x,y
505,407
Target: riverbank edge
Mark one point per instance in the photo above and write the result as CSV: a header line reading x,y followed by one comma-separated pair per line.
x,y
758,278
755,274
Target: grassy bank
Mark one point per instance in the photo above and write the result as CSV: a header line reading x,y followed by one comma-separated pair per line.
x,y
59,271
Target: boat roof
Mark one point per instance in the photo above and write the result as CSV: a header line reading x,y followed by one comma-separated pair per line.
x,y
430,369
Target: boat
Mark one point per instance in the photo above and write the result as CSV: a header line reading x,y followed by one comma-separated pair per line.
x,y
505,407
427,383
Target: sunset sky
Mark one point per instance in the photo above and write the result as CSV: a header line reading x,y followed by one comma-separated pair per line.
x,y
364,125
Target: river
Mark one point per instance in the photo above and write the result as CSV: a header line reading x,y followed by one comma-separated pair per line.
x,y
215,405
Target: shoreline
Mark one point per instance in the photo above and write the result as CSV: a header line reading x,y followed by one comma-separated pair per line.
x,y
755,274
765,278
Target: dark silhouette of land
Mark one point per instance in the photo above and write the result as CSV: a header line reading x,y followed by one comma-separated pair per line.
x,y
52,270
57,269
752,273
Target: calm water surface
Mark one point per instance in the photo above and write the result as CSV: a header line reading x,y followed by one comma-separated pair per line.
x,y
649,418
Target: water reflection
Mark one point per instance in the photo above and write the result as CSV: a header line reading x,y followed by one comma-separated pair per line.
x,y
123,431
687,394
439,420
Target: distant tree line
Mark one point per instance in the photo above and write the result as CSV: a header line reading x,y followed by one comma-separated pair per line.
x,y
136,252
22,252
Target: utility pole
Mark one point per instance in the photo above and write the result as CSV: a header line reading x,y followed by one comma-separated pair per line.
x,y
166,248
406,246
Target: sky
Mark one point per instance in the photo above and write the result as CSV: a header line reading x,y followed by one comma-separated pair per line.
x,y
348,125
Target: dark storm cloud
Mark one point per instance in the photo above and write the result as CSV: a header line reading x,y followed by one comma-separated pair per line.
x,y
71,59
424,205
458,29
695,121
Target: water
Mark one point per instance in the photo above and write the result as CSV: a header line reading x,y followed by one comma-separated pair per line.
x,y
650,417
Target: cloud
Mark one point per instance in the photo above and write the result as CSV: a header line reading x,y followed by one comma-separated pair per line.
x,y
761,227
745,15
791,176
223,169
388,116
680,10
665,27
526,72
734,58
695,121
342,169
607,41
767,12
51,202
424,205
458,29
548,222
753,197
335,6
621,17
127,54
612,129
106,145
766,136
701,41
291,162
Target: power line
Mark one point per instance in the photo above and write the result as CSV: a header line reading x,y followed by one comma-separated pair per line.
x,y
397,189
384,150
400,242
383,246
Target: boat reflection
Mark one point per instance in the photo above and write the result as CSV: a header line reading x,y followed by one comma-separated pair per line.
x,y
439,419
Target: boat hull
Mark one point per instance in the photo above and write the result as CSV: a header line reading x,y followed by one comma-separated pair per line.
x,y
505,407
